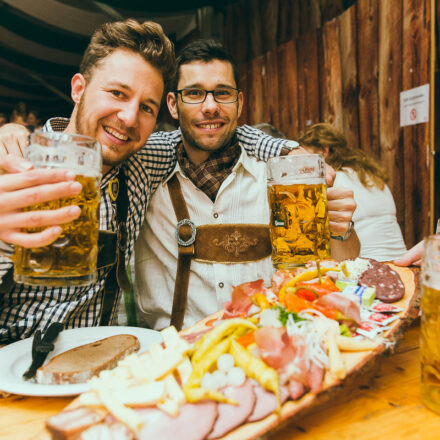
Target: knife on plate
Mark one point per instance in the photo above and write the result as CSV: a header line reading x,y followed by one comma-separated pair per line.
x,y
41,347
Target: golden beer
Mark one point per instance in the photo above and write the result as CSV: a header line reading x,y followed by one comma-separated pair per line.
x,y
71,259
299,226
430,324
430,346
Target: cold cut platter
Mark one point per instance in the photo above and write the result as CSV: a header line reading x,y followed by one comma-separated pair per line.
x,y
273,353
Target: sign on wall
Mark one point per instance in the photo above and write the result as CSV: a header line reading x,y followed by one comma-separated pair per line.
x,y
414,106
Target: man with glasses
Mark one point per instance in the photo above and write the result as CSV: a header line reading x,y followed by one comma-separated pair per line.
x,y
206,227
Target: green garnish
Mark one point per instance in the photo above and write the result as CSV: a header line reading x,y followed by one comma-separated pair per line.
x,y
284,315
344,330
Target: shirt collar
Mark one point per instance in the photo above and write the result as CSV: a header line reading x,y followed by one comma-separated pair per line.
x,y
248,163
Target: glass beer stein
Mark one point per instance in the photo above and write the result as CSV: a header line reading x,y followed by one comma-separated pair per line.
x,y
71,259
299,227
430,324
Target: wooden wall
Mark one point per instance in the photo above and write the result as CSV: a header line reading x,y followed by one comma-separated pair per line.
x,y
348,71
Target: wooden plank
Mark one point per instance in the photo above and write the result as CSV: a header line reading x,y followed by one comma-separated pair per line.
x,y
271,108
255,95
331,75
416,55
389,87
288,21
347,41
243,76
308,80
235,38
254,28
288,89
367,55
269,24
382,404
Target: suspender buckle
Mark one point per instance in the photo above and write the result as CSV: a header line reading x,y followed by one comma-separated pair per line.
x,y
184,241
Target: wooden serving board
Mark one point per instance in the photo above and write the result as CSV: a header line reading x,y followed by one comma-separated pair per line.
x,y
357,364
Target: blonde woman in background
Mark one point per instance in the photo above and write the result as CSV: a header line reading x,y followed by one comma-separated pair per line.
x,y
375,217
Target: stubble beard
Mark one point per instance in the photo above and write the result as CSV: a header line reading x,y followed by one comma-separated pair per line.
x,y
192,143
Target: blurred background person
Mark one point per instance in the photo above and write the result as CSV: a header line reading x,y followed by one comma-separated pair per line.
x,y
33,120
375,217
3,119
19,113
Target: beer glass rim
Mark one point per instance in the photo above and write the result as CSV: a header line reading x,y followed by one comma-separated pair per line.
x,y
296,156
63,136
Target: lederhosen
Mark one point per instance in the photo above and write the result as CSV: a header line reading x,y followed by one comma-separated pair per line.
x,y
226,243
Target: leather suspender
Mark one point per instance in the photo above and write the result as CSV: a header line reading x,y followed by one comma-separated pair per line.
x,y
185,253
221,243
118,273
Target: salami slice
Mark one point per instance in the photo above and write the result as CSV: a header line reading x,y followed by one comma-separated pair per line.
x,y
389,286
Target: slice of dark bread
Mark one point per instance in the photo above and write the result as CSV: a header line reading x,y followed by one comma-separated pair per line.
x,y
81,363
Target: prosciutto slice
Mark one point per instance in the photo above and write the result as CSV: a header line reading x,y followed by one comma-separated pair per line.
x,y
241,299
347,306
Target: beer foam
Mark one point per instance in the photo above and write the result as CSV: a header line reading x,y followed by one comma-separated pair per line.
x,y
81,160
296,180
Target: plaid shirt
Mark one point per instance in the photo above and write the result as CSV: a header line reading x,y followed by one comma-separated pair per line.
x,y
24,309
210,174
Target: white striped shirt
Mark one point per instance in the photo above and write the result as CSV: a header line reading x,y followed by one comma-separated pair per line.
x,y
24,309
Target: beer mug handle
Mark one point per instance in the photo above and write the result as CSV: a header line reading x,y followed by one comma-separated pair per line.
x,y
7,250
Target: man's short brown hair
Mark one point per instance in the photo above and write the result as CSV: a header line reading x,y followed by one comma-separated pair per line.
x,y
147,39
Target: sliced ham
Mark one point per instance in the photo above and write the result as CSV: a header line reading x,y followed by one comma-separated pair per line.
x,y
101,431
194,337
347,306
231,416
316,376
69,423
241,298
266,402
296,389
195,421
274,346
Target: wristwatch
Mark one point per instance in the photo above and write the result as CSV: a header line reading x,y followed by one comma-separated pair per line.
x,y
288,146
346,235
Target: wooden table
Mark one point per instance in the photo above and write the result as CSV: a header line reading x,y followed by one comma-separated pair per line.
x,y
386,407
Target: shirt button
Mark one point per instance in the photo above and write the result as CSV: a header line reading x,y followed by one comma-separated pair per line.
x,y
215,215
221,285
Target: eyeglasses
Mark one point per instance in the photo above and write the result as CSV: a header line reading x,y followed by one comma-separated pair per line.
x,y
223,95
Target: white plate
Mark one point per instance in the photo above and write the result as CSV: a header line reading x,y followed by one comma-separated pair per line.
x,y
16,358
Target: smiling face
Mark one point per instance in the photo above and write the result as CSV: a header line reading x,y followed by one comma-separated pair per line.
x,y
209,126
118,106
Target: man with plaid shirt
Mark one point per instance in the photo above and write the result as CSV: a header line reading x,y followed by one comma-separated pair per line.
x,y
221,187
117,97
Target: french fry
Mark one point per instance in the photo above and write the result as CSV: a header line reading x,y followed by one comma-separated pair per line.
x,y
211,338
336,364
256,369
350,344
207,361
194,395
